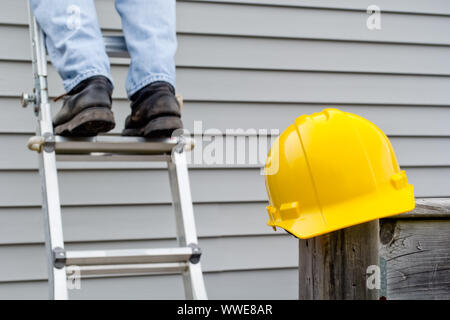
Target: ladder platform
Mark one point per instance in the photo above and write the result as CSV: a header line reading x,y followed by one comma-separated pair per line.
x,y
131,256
115,145
107,148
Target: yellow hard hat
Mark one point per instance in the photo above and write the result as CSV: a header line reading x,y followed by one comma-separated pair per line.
x,y
332,170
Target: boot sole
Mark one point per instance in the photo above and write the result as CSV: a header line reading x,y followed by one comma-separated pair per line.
x,y
161,127
88,123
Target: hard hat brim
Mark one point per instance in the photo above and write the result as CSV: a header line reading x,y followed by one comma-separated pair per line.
x,y
343,215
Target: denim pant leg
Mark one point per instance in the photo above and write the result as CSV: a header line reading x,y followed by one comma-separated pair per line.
x,y
149,29
73,38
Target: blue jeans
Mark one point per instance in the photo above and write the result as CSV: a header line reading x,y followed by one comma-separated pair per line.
x,y
77,51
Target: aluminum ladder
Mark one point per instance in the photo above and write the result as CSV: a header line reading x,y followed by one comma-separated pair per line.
x,y
184,259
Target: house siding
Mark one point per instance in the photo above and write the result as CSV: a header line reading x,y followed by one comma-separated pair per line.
x,y
240,64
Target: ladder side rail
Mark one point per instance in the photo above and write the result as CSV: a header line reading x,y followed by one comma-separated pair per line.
x,y
186,232
194,282
47,163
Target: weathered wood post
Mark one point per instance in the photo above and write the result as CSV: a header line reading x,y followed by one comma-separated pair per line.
x,y
334,266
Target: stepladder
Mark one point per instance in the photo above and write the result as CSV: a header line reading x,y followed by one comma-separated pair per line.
x,y
183,259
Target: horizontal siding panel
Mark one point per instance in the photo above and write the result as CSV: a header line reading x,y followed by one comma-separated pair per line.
x,y
19,188
137,222
312,87
422,151
100,187
434,151
28,262
268,86
15,10
278,54
286,54
430,182
393,120
439,7
219,285
275,21
308,23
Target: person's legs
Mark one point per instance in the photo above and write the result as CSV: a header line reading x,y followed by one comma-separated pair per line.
x,y
149,29
75,45
73,38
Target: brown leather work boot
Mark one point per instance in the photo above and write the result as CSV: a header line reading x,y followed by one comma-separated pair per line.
x,y
86,109
155,112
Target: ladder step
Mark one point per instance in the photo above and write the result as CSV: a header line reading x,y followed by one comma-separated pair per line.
x,y
127,269
105,146
113,157
116,46
128,256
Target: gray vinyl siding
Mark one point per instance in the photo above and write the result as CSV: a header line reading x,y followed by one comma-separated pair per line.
x,y
240,64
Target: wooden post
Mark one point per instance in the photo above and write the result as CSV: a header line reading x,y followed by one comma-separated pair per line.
x,y
334,266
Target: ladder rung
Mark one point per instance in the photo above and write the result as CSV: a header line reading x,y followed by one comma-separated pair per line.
x,y
112,145
116,46
128,256
127,269
113,157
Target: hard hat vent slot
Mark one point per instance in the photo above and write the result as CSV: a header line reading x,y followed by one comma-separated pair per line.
x,y
399,180
290,210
